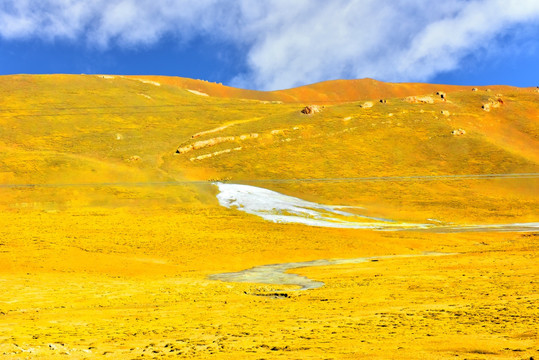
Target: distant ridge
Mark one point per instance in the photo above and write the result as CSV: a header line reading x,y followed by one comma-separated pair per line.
x,y
332,91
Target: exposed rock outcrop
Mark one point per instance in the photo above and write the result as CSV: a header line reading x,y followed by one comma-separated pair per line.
x,y
310,109
217,153
204,143
213,141
492,104
366,105
419,99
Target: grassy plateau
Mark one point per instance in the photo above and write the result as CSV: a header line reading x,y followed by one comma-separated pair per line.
x,y
110,226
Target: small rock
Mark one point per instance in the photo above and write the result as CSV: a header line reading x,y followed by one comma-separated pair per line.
x,y
458,132
134,158
52,347
445,112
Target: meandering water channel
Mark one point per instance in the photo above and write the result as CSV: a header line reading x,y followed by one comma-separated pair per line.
x,y
278,273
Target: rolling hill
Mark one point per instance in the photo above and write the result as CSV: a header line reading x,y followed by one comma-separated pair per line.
x,y
90,129
122,197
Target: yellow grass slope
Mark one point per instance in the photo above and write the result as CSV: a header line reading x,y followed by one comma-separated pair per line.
x,y
97,263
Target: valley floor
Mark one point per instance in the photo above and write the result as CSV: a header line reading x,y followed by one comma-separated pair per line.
x,y
132,282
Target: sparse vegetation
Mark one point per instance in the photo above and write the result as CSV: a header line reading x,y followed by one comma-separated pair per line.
x,y
107,235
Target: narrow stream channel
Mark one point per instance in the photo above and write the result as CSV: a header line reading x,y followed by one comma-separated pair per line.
x,y
277,274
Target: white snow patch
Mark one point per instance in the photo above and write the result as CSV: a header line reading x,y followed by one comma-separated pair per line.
x,y
280,208
197,92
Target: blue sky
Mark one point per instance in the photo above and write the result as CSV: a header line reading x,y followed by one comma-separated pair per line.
x,y
275,44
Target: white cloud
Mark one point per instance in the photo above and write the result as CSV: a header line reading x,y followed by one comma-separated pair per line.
x,y
290,42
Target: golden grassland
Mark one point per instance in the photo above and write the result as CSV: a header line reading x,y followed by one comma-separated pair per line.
x,y
114,269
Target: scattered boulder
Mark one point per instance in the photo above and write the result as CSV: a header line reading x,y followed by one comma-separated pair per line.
x,y
474,89
248,136
442,95
419,99
458,132
383,101
445,112
134,158
366,105
310,109
492,103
